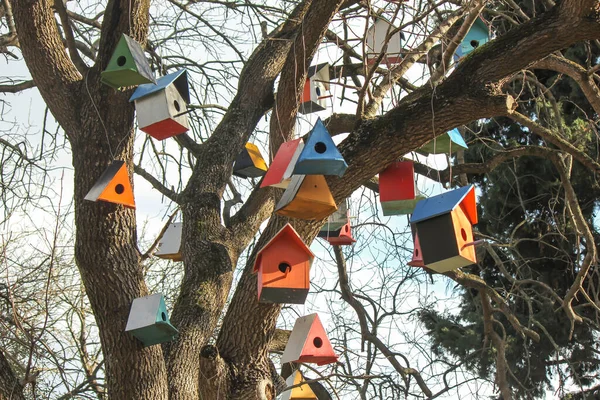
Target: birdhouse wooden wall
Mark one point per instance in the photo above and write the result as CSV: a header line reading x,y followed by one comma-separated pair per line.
x,y
250,163
128,65
280,171
316,89
302,392
149,321
162,114
169,246
283,267
478,35
320,155
445,144
113,186
397,189
376,39
307,197
309,343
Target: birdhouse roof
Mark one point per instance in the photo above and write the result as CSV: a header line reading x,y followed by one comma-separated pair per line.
x,y
447,202
481,24
177,78
286,232
313,69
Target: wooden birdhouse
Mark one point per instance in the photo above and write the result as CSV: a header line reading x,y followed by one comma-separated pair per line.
x,y
417,257
398,192
149,321
341,237
336,220
307,197
283,267
308,343
478,35
302,392
128,65
249,163
320,156
280,171
169,246
161,109
316,89
445,227
113,186
376,40
447,143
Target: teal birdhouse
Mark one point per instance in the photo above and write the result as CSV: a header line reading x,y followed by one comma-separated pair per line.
x,y
444,144
478,35
128,65
320,156
149,321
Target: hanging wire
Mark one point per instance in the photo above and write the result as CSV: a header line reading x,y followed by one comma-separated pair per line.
x,y
99,116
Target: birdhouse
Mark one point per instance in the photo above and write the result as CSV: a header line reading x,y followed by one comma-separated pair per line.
x,y
316,89
169,246
128,65
341,237
478,35
376,40
249,163
444,144
444,225
398,193
302,392
320,156
280,172
283,267
113,186
308,343
417,257
161,109
306,197
335,221
149,321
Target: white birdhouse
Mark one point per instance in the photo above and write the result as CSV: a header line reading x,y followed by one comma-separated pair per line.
x,y
169,246
376,40
316,89
149,321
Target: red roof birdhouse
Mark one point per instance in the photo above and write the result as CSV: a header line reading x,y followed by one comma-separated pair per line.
x,y
417,257
282,167
316,89
307,197
342,237
308,343
283,267
113,186
445,227
397,189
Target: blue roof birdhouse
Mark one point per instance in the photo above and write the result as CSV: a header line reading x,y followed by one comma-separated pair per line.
x,y
478,35
161,109
149,321
447,143
445,229
320,156
128,65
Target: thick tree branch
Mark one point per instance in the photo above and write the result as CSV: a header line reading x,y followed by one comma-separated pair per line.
x,y
156,184
10,388
70,39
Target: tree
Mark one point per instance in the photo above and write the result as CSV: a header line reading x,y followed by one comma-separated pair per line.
x,y
65,51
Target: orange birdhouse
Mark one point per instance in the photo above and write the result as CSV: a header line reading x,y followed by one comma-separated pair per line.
x,y
302,392
307,197
397,190
113,186
417,257
282,167
445,227
283,267
309,343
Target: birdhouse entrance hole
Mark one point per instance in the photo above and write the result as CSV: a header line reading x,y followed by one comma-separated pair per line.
x,y
121,61
463,233
163,316
285,267
318,342
119,189
416,252
177,106
320,147
318,91
474,43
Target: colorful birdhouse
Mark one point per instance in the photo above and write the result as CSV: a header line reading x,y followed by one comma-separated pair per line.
x,y
444,144
478,35
308,343
335,221
417,257
376,39
398,193
307,197
341,237
283,267
113,186
169,246
161,109
249,163
128,65
444,225
316,89
149,321
320,156
280,172
302,392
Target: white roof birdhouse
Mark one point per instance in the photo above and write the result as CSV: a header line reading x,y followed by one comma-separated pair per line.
x,y
149,321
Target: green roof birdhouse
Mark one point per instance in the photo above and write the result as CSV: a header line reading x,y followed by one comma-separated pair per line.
x,y
128,65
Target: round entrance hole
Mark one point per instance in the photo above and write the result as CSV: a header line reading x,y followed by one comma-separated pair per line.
x,y
163,316
345,228
320,147
284,267
463,233
318,342
119,189
318,91
121,61
474,43
176,105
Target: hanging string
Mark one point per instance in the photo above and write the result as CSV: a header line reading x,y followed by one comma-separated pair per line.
x,y
99,116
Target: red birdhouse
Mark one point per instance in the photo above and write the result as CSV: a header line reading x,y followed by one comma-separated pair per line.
x,y
283,267
280,171
397,190
417,258
309,343
341,237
